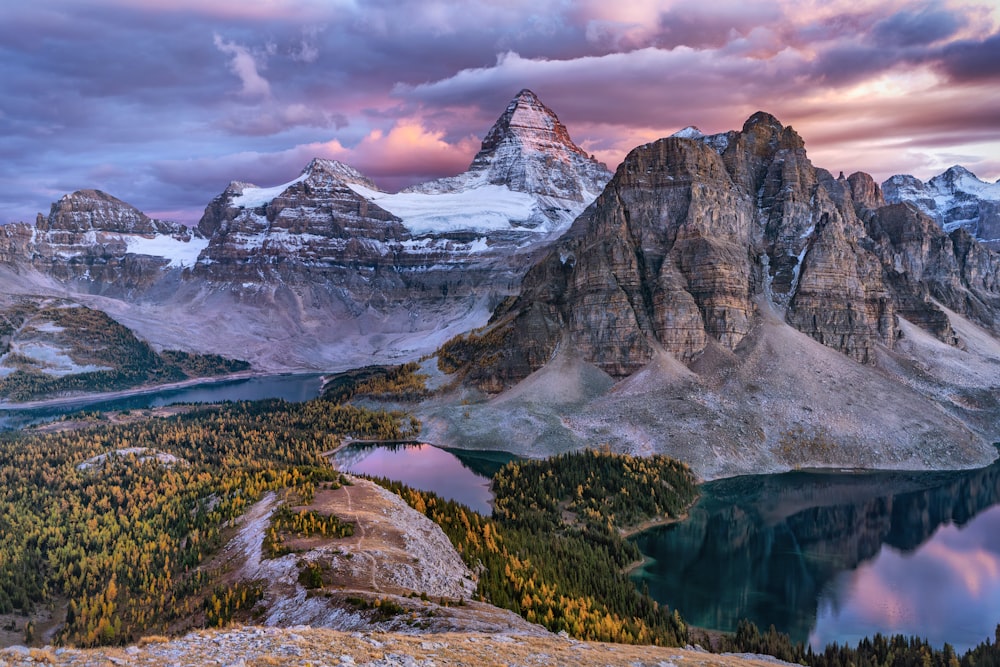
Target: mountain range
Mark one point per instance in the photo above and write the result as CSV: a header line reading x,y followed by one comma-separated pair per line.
x,y
326,271
718,298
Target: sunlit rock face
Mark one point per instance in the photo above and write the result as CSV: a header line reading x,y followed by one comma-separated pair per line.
x,y
529,150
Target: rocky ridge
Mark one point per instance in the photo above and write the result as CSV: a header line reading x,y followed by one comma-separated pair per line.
x,y
96,243
675,252
953,199
709,258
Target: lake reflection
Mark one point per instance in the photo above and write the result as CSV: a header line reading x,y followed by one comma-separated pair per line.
x,y
452,474
835,557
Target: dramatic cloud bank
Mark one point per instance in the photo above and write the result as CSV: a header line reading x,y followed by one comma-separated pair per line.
x,y
163,103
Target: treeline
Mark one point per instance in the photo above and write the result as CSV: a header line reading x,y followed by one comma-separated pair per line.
x,y
477,354
565,575
203,365
97,340
877,651
124,543
227,601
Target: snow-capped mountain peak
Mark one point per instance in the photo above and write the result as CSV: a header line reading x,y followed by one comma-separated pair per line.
x,y
532,125
529,150
689,132
529,178
955,198
319,167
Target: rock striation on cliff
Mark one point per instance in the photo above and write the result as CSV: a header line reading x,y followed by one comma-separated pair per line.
x,y
695,234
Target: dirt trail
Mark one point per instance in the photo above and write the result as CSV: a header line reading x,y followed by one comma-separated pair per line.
x,y
360,531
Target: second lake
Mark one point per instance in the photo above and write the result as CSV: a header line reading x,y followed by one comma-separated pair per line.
x,y
462,476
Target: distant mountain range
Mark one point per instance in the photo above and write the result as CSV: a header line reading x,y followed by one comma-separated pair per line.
x,y
953,199
719,298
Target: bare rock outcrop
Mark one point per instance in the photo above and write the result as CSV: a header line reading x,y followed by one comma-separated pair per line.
x,y
691,281
692,229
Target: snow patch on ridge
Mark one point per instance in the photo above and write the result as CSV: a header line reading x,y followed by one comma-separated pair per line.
x,y
180,253
955,199
689,132
253,197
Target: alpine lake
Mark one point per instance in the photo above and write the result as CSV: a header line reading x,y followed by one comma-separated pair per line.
x,y
823,556
291,387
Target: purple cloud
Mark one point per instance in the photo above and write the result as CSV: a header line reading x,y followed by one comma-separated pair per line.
x,y
162,103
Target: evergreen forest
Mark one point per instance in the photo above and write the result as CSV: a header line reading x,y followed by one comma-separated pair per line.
x,y
117,536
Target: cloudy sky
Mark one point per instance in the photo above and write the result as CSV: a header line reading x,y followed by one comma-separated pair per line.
x,y
163,102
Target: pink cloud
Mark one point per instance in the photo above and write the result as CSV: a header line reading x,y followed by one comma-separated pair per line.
x,y
407,151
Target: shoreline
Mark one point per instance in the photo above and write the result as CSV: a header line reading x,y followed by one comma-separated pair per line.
x,y
632,531
85,399
649,524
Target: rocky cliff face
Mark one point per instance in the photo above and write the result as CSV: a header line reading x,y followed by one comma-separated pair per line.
x,y
695,233
954,199
313,229
750,307
100,244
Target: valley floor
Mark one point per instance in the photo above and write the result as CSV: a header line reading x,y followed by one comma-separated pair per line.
x,y
304,645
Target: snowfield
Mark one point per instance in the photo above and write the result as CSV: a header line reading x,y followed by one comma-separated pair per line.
x,y
180,253
482,208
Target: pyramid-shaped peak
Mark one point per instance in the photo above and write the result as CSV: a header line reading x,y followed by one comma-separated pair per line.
x,y
957,173
958,179
689,132
528,122
529,150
